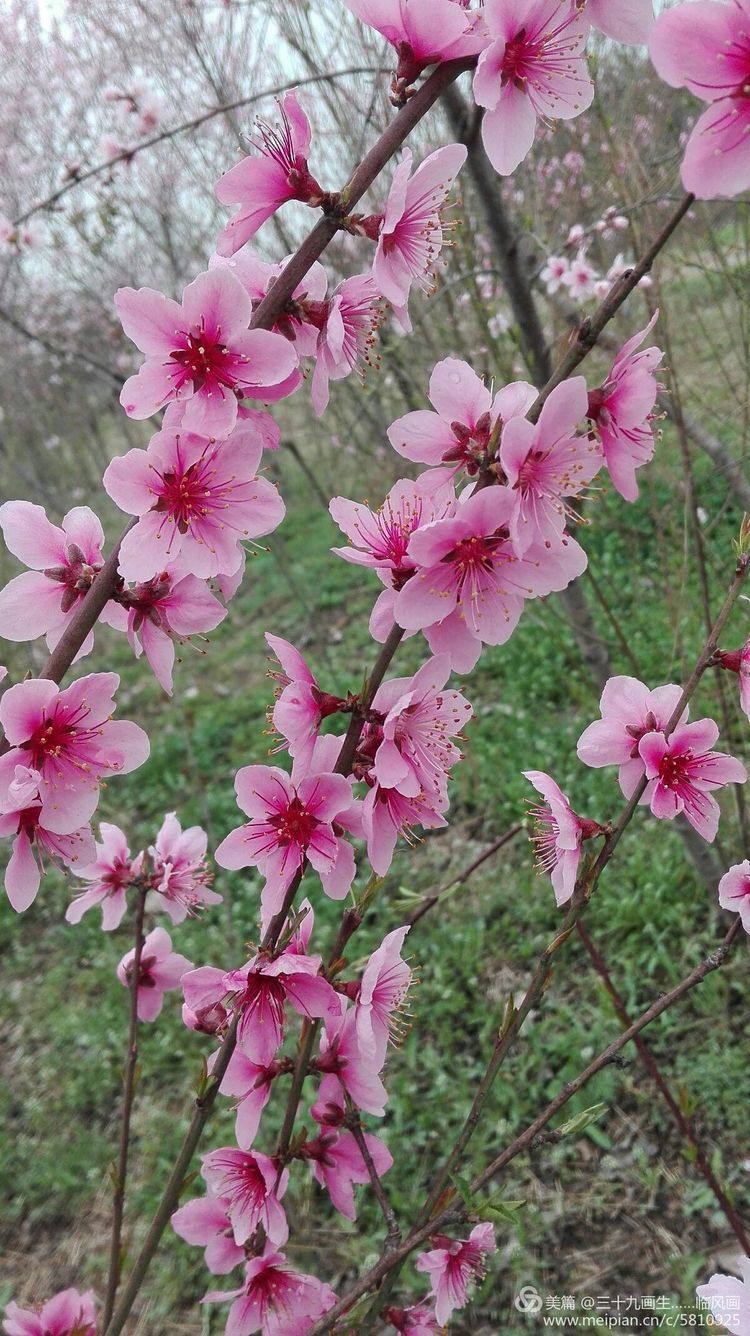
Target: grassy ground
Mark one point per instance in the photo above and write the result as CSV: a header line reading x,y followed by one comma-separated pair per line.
x,y
617,1210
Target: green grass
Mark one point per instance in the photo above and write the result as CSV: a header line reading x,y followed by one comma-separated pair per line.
x,y
65,1013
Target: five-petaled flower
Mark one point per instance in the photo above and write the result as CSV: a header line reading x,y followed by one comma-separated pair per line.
x,y
161,970
273,1299
558,835
734,891
682,770
622,411
252,1186
453,1265
67,1314
111,875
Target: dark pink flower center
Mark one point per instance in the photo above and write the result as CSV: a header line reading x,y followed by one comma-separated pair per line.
x,y
205,358
190,495
55,737
295,825
675,769
479,552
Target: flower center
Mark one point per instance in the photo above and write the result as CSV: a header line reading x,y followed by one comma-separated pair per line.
x,y
674,770
295,825
479,552
185,496
204,358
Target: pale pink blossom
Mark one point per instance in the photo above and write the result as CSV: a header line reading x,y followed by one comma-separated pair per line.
x,y
20,818
7,235
704,47
62,561
346,1070
728,1299
558,835
260,185
179,872
387,815
629,710
274,1300
196,501
411,232
169,607
738,661
112,874
381,995
628,21
337,1164
683,769
348,324
734,891
534,66
622,411
454,1265
555,273
469,563
380,538
161,970
301,706
546,463
581,278
70,738
200,352
252,1186
466,416
204,1221
260,991
422,32
67,1314
415,752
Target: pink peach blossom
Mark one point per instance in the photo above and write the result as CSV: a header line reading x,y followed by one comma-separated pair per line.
x,y
546,463
179,872
288,824
170,606
558,835
259,186
252,1186
67,1314
161,971
728,1299
533,66
554,273
200,352
196,500
301,705
622,411
422,32
419,1320
683,769
112,873
20,817
274,1299
382,991
380,538
69,737
301,320
62,561
348,323
581,278
734,891
411,232
205,1221
250,1083
453,1266
629,710
346,1070
738,661
704,47
628,21
387,814
260,991
466,416
415,753
337,1164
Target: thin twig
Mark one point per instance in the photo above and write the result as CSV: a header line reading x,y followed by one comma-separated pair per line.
x,y
393,1237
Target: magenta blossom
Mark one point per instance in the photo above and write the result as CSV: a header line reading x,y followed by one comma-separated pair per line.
x,y
250,1083
68,1314
468,562
738,661
422,32
534,66
274,1299
683,769
734,891
259,186
382,992
180,874
288,824
622,411
411,231
704,47
419,1320
70,738
300,321
204,1221
346,1070
63,562
547,463
301,705
728,1299
252,1187
380,538
628,21
466,416
196,501
558,835
112,874
168,607
387,814
20,816
337,1164
415,753
454,1265
200,352
346,337
161,971
629,710
260,991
